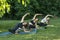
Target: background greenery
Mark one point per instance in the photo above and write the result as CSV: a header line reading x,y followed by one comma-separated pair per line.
x,y
14,9
11,12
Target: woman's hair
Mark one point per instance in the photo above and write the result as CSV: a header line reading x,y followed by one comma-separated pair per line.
x,y
26,25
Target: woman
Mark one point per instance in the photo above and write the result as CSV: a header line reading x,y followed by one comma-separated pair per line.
x,y
45,21
33,22
20,26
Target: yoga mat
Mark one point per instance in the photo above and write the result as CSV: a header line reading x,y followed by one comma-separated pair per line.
x,y
9,33
32,32
5,33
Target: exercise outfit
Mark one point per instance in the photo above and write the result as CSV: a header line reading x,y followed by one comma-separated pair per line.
x,y
43,22
31,24
18,26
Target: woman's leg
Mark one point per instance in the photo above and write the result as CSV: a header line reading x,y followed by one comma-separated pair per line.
x,y
16,32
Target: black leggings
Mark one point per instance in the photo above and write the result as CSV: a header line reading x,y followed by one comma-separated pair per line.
x,y
15,28
31,26
41,24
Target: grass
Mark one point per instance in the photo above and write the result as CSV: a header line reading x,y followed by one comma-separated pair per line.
x,y
51,33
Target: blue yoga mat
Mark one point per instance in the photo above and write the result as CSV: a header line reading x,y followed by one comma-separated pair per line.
x,y
5,33
9,33
32,32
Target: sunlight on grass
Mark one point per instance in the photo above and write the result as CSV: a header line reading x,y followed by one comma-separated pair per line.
x,y
56,39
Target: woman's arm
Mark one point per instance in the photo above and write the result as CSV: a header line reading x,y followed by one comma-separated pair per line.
x,y
35,16
25,29
47,22
22,20
36,26
48,15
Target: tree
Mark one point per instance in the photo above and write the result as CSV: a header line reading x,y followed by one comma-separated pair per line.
x,y
17,8
46,6
4,7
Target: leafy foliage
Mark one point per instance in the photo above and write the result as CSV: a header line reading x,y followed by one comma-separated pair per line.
x,y
18,8
46,6
4,7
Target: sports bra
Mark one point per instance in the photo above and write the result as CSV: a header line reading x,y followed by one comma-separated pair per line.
x,y
32,22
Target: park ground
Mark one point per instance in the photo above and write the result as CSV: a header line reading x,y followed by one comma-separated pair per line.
x,y
51,33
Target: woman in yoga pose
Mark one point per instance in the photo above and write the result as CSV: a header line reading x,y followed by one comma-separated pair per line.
x,y
21,25
33,22
45,21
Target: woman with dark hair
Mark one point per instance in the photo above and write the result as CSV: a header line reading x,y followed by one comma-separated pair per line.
x,y
21,25
33,22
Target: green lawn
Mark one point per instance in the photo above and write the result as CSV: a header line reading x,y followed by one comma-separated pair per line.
x,y
51,33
